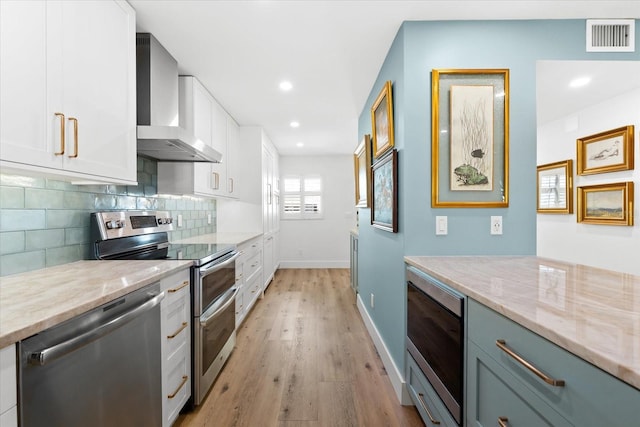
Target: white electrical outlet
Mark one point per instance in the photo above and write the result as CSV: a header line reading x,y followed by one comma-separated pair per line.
x,y
372,302
441,225
496,225
179,220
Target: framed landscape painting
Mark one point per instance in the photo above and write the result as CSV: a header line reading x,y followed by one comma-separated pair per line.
x,y
470,138
382,121
362,168
384,200
609,204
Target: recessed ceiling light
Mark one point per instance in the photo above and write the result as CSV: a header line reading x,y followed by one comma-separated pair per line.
x,y
300,144
294,124
286,86
579,82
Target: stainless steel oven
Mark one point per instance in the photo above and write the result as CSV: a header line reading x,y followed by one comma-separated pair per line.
x,y
435,336
214,319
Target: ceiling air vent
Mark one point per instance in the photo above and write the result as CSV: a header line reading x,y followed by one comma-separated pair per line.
x,y
610,35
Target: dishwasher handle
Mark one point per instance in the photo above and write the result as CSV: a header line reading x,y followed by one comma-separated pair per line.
x,y
56,351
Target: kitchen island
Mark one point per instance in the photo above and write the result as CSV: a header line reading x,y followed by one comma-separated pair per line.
x,y
578,326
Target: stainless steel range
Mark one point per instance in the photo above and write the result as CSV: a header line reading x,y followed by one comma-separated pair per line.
x,y
138,235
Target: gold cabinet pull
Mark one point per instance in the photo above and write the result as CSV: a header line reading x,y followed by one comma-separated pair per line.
x,y
503,422
75,137
62,138
215,180
502,345
185,283
175,334
182,383
424,406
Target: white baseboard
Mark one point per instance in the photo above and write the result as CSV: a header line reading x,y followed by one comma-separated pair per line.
x,y
314,264
396,377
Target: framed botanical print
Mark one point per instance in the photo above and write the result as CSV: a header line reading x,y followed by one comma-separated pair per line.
x,y
555,187
470,138
382,121
384,200
362,168
608,151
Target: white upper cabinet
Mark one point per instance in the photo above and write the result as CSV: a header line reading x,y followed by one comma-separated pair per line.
x,y
201,114
68,82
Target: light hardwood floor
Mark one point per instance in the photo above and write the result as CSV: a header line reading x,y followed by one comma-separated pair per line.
x,y
303,358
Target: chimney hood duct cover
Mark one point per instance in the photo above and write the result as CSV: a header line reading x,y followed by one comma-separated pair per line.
x,y
159,134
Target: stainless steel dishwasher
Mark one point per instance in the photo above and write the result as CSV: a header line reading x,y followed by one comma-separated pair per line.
x,y
101,368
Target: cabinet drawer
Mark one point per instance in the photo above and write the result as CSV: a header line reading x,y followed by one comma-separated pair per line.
x,y
177,286
177,325
252,266
8,388
178,383
251,247
431,409
589,396
495,394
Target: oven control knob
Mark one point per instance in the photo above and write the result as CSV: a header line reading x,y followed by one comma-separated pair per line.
x,y
160,221
113,224
169,220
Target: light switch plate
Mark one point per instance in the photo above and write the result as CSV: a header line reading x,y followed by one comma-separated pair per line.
x,y
441,225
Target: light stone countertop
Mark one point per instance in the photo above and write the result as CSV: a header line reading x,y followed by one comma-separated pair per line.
x,y
34,301
592,313
231,238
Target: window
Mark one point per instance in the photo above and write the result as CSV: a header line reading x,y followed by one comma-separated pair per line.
x,y
302,197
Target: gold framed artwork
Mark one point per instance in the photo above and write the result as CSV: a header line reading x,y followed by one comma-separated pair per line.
x,y
609,204
362,168
384,197
555,187
608,151
382,121
470,138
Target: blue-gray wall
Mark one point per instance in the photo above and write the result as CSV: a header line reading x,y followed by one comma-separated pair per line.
x,y
45,222
418,48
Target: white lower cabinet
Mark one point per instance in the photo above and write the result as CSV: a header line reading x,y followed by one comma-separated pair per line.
x,y
176,345
248,277
8,387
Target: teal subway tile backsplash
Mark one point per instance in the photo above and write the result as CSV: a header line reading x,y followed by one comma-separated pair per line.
x,y
44,222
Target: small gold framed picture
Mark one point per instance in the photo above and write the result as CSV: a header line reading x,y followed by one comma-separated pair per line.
x,y
555,187
608,151
609,204
382,121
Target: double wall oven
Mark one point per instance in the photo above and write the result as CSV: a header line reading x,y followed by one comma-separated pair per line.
x,y
435,337
137,235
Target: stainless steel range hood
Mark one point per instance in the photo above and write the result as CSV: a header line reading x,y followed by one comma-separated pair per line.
x,y
159,133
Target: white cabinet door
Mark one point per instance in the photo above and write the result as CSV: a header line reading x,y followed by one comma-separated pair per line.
x,y
69,67
233,141
202,127
99,86
28,134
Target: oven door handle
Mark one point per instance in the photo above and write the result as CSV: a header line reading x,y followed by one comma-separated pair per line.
x,y
218,307
215,267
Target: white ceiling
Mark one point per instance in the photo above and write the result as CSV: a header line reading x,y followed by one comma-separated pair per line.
x,y
330,50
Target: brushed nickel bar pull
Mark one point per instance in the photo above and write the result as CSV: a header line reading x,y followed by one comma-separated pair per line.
x,y
175,334
424,406
185,283
231,185
503,422
75,136
502,345
62,137
182,383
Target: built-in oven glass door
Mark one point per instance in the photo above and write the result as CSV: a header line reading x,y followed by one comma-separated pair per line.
x,y
213,280
435,340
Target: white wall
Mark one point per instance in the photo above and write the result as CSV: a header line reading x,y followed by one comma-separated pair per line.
x,y
322,243
560,236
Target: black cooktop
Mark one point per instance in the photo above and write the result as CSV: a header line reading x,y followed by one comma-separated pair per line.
x,y
200,253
